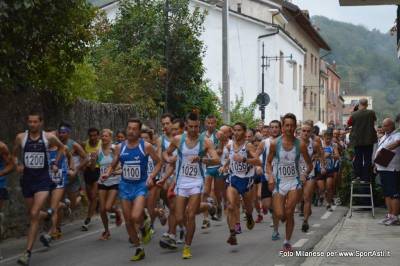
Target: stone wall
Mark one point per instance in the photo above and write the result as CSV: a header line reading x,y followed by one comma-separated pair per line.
x,y
82,115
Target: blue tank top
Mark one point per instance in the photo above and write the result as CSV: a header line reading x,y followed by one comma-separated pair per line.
x,y
134,162
61,176
330,164
35,157
2,178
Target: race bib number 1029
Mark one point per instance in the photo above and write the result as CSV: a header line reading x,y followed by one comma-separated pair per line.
x,y
34,160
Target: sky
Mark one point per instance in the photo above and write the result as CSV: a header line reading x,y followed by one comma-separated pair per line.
x,y
378,17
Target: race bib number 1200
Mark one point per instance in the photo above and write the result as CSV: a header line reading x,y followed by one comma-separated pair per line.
x,y
34,160
131,172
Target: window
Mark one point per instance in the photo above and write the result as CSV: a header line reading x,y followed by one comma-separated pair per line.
x,y
304,96
281,67
315,101
316,65
312,63
295,76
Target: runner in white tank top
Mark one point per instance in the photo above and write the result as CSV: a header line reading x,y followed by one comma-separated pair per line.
x,y
286,178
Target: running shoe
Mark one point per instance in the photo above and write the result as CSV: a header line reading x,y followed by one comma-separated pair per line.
x,y
259,219
186,253
45,239
146,233
305,227
206,224
25,259
238,229
387,217
275,236
393,220
167,242
181,238
329,208
105,236
139,255
287,248
162,216
85,226
250,222
212,208
232,240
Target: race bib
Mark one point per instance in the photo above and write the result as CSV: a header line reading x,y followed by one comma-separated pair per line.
x,y
131,172
57,177
239,167
287,170
190,170
150,167
34,160
103,169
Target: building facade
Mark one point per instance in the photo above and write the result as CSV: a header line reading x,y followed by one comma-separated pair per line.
x,y
324,81
350,101
249,28
334,97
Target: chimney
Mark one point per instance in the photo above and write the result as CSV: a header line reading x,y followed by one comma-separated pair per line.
x,y
239,8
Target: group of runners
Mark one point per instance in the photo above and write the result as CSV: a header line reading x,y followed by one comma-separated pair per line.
x,y
139,177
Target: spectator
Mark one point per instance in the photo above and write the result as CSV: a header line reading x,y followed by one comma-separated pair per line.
x,y
380,132
390,175
398,122
362,138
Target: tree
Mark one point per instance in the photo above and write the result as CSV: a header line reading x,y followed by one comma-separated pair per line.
x,y
41,43
242,113
137,56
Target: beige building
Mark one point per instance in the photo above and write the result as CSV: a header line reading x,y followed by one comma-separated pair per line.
x,y
297,24
301,28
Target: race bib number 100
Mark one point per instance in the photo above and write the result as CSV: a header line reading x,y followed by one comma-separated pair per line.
x,y
34,160
131,172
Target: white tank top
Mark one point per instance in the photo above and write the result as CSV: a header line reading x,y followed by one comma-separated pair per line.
x,y
240,169
302,162
189,174
286,169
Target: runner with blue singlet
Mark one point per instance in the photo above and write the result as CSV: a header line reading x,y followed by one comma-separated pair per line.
x,y
133,155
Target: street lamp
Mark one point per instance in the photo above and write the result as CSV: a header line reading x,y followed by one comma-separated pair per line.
x,y
263,98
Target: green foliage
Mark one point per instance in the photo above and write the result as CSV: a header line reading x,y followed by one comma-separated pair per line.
x,y
242,113
366,61
133,63
41,43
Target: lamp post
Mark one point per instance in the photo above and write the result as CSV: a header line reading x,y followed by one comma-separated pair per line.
x,y
263,98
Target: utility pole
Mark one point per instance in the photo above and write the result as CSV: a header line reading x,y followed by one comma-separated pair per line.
x,y
225,64
166,32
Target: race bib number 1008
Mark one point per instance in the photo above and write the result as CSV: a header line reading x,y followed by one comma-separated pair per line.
x,y
287,170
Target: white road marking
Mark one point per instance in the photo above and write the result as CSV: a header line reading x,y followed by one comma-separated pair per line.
x,y
316,225
300,243
310,233
326,215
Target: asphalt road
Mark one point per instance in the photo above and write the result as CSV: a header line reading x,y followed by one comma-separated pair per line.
x,y
209,247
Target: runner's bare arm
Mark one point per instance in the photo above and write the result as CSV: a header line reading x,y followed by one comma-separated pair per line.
x,y
7,159
167,154
307,159
71,166
213,158
82,155
260,149
254,158
156,159
114,162
54,141
270,158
